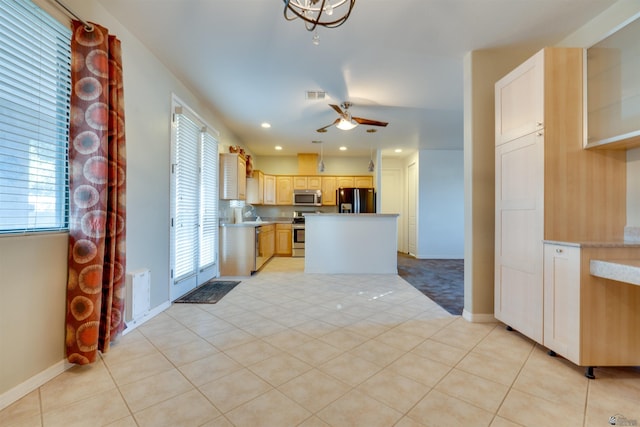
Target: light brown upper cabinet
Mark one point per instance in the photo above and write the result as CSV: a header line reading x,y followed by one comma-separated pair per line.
x,y
255,188
329,190
345,181
233,176
363,181
307,182
284,190
269,196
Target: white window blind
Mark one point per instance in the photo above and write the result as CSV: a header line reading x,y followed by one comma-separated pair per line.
x,y
187,185
35,87
209,200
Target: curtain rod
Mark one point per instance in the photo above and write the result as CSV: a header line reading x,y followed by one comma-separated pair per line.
x,y
88,27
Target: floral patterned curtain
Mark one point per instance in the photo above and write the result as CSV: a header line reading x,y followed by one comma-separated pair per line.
x,y
95,285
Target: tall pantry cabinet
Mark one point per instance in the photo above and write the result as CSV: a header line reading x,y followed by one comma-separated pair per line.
x,y
547,186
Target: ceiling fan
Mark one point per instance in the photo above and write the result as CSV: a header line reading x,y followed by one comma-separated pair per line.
x,y
346,121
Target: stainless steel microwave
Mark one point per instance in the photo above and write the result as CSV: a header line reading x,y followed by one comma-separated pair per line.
x,y
307,197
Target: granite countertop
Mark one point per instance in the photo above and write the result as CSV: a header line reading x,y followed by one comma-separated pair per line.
x,y
598,244
257,223
626,270
346,215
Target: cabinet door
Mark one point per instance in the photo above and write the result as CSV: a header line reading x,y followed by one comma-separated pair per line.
x,y
283,239
268,233
299,182
345,181
284,190
314,183
255,188
269,190
233,177
363,181
519,100
519,235
242,178
329,190
562,300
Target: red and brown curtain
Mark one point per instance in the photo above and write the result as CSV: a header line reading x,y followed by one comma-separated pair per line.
x,y
97,161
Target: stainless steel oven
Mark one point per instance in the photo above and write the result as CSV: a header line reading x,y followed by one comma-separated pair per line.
x,y
297,235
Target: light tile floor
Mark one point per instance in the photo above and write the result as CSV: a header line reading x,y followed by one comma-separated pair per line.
x,y
289,349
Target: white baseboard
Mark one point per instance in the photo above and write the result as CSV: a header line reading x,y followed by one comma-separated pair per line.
x,y
133,324
21,390
38,380
478,318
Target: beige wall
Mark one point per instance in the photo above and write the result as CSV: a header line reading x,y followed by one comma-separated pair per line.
x,y
481,70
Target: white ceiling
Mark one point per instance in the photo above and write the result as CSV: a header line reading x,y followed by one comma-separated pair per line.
x,y
398,61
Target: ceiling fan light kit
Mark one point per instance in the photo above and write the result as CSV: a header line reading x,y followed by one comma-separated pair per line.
x,y
345,124
346,121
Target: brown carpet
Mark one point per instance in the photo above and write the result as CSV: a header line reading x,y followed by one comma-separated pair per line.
x,y
442,280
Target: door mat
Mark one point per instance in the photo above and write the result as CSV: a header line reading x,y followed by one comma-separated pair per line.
x,y
209,293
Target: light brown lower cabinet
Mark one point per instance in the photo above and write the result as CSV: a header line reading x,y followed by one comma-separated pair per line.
x,y
589,320
283,239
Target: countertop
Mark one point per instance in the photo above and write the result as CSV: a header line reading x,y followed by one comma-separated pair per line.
x,y
626,270
347,215
597,244
257,223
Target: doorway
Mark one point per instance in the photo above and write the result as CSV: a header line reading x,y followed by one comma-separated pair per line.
x,y
194,202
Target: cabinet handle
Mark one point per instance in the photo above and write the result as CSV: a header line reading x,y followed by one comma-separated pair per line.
x,y
540,133
558,251
538,124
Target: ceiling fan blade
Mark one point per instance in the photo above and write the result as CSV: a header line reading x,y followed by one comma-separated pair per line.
x,y
369,122
328,126
338,110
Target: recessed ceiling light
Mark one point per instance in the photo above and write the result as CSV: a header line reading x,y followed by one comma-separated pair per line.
x,y
343,148
278,147
398,150
266,125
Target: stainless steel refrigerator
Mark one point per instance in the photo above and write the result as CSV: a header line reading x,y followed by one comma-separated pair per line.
x,y
356,200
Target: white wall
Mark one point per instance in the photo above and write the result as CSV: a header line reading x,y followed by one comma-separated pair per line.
x,y
33,268
441,204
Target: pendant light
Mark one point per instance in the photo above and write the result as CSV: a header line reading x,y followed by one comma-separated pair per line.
x,y
371,165
321,162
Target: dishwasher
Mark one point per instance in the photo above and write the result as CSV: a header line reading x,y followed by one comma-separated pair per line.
x,y
260,255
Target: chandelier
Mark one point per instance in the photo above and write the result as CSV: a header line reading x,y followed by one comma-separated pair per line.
x,y
326,13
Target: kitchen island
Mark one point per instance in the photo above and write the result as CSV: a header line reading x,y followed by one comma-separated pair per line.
x,y
351,243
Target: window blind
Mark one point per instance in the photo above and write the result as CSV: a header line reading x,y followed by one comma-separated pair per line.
x,y
187,184
35,87
209,200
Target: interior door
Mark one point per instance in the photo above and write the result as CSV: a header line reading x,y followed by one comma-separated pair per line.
x,y
412,214
391,201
